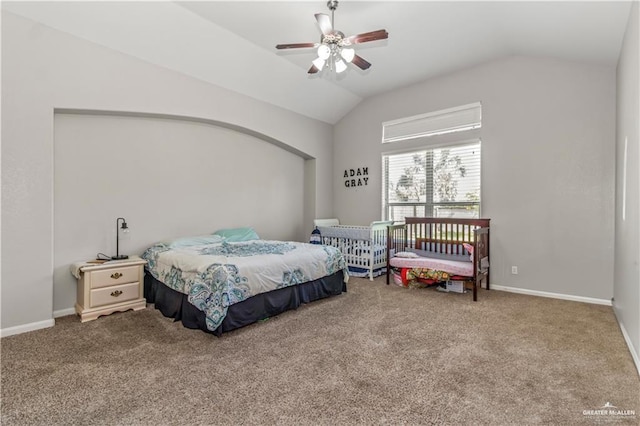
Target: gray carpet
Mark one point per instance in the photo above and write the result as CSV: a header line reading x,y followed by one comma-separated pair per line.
x,y
375,355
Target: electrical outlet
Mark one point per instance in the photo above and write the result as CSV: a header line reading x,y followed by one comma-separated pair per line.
x,y
514,270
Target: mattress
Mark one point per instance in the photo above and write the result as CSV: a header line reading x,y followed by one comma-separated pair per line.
x,y
453,267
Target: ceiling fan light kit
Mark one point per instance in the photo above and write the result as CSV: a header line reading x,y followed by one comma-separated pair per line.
x,y
334,50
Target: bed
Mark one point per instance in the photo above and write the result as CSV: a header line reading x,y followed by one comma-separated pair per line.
x,y
437,250
218,284
363,247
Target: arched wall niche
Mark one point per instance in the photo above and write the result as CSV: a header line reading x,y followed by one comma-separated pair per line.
x,y
169,176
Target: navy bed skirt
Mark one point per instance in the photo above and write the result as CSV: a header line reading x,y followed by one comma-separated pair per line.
x,y
174,304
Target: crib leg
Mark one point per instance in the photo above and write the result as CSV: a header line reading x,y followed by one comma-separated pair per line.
x,y
475,290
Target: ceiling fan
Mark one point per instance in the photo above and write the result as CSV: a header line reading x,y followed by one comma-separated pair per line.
x,y
334,49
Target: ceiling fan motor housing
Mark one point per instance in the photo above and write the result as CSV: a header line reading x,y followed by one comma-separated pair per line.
x,y
335,37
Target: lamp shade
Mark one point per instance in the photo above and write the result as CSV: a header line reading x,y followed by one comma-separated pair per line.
x,y
324,51
340,66
319,63
347,54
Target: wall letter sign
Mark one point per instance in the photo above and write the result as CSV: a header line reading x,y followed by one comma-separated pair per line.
x,y
356,177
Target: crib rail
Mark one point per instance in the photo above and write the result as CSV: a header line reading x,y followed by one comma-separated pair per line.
x,y
363,247
396,239
356,252
443,236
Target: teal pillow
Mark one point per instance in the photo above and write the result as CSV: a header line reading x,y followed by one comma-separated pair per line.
x,y
237,234
194,241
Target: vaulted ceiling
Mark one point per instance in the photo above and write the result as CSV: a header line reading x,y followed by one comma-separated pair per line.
x,y
232,43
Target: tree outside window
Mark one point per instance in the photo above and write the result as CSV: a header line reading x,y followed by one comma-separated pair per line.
x,y
442,182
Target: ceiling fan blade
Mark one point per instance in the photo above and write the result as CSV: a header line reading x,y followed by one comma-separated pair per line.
x,y
360,62
295,45
370,36
324,22
313,70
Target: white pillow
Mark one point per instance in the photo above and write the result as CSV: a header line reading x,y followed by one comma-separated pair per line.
x,y
406,254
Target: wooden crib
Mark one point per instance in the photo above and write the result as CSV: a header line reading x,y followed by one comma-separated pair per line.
x,y
364,247
443,238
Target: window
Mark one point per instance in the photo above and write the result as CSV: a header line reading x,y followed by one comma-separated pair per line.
x,y
430,175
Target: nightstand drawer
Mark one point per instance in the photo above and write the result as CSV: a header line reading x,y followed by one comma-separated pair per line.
x,y
115,276
115,294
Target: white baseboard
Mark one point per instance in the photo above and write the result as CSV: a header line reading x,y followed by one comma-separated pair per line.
x,y
634,354
64,312
552,295
10,331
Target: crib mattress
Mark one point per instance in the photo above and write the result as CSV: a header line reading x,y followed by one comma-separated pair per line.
x,y
453,267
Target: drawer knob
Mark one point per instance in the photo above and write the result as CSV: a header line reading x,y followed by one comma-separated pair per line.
x,y
116,293
116,275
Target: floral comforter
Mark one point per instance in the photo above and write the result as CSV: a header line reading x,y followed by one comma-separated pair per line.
x,y
216,276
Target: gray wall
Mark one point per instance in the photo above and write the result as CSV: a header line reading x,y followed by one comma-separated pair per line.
x,y
168,178
548,158
548,144
626,288
44,70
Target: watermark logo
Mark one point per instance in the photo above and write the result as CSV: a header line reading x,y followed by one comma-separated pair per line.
x,y
609,412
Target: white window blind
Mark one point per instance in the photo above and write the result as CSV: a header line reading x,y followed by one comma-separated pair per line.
x,y
450,120
437,182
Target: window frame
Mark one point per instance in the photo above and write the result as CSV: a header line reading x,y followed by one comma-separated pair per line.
x,y
428,204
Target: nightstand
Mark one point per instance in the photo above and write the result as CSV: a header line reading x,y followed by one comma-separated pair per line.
x,y
114,286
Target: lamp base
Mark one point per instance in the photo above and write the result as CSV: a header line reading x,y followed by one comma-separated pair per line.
x,y
119,257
